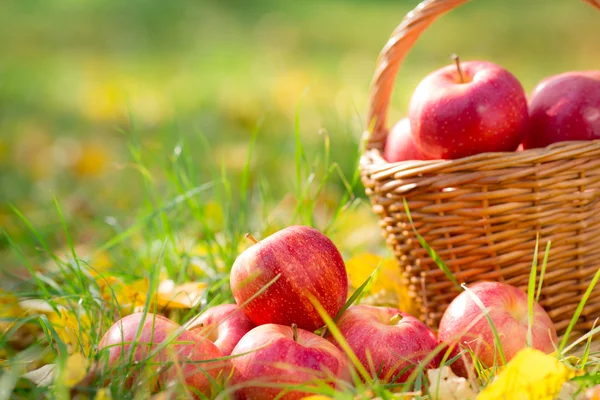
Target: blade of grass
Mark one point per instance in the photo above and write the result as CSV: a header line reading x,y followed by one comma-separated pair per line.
x,y
578,311
588,345
481,306
356,295
531,292
543,271
26,263
337,335
78,272
438,261
586,336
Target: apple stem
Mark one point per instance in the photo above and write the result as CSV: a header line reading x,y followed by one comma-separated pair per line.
x,y
251,238
395,319
457,62
295,332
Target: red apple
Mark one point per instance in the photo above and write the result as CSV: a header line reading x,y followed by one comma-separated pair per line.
x,y
469,108
564,107
389,343
272,357
169,352
399,144
464,323
224,325
299,263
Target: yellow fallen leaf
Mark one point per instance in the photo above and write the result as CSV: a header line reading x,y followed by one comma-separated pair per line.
x,y
317,397
76,369
72,326
530,375
74,330
10,311
186,295
132,296
387,280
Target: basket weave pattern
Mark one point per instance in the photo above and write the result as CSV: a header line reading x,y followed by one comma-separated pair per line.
x,y
483,214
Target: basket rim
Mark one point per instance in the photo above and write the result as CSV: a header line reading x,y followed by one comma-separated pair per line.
x,y
373,165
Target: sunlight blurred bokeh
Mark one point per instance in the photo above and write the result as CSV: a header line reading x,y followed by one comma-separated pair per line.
x,y
81,81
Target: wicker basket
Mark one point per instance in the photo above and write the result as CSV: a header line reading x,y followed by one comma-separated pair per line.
x,y
482,214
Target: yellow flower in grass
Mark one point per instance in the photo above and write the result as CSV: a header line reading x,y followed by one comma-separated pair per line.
x,y
530,375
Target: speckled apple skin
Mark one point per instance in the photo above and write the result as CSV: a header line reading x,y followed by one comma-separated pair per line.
x,y
187,349
275,358
308,263
224,325
463,322
392,347
451,120
564,107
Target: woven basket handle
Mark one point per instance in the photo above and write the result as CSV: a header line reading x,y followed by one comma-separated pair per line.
x,y
391,57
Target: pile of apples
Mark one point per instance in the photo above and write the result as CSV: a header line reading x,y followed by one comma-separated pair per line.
x,y
274,340
477,107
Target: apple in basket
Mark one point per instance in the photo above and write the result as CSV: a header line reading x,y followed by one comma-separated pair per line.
x,y
465,324
270,358
390,344
564,107
224,325
400,145
167,352
468,108
278,279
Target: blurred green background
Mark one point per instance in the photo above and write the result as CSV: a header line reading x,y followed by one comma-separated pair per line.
x,y
86,84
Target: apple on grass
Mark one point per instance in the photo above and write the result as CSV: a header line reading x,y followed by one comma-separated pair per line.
x,y
224,325
564,107
464,324
400,145
167,352
272,358
389,343
468,108
281,276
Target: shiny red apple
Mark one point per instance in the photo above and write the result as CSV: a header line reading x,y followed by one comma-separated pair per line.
x,y
224,325
564,107
271,358
399,144
464,323
286,272
169,352
389,343
469,108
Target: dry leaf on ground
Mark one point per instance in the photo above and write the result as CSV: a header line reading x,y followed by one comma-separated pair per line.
x,y
445,385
